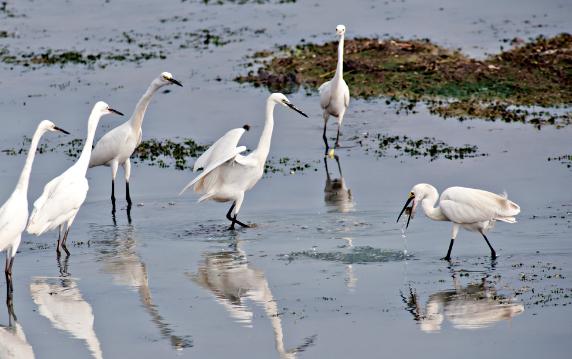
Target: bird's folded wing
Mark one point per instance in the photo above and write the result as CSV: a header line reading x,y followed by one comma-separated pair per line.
x,y
468,205
222,148
108,146
346,95
214,164
324,91
58,200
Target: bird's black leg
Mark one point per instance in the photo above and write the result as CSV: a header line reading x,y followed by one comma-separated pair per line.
x,y
127,193
59,244
129,213
8,274
493,253
325,138
229,217
63,243
239,222
337,138
448,256
113,196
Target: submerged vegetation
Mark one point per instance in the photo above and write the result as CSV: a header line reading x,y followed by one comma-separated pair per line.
x,y
398,146
135,47
538,73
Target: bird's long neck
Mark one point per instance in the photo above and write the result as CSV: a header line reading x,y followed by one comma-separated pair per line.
x,y
429,208
92,123
24,180
339,76
136,119
264,144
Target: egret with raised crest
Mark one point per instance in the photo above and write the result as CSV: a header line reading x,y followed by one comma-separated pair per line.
x,y
227,174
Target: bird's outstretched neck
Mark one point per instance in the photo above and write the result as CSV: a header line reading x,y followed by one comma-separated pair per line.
x,y
266,137
92,123
339,76
24,179
136,119
428,203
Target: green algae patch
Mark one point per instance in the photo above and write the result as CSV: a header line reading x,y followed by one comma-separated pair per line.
x,y
538,73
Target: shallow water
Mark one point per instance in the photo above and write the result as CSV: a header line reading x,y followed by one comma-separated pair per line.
x,y
323,274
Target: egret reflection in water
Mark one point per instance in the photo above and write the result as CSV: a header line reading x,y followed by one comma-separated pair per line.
x,y
13,342
235,284
120,259
474,306
60,301
336,193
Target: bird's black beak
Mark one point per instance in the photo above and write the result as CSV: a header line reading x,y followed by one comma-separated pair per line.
x,y
296,109
175,82
115,111
61,130
411,198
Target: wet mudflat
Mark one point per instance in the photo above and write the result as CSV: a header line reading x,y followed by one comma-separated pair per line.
x,y
324,273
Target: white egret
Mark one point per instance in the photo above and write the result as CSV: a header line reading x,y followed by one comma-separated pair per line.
x,y
335,94
227,174
473,209
14,212
116,146
63,196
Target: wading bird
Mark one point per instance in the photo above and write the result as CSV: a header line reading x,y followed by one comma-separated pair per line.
x,y
14,212
63,196
335,94
473,209
116,147
227,174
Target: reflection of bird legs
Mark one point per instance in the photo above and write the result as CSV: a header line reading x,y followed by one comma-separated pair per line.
x,y
233,219
10,307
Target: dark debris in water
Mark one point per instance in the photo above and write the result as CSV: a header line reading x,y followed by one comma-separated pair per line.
x,y
565,160
244,2
365,254
536,73
382,145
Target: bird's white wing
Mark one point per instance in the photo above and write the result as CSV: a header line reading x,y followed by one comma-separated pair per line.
x,y
346,95
325,92
223,150
61,197
109,146
468,205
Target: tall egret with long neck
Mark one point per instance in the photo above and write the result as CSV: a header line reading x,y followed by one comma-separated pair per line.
x,y
227,174
116,146
335,94
63,196
473,209
14,212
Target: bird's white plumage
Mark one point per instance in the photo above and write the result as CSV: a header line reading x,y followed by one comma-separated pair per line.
x,y
63,196
60,201
468,205
115,148
227,175
222,151
14,212
473,209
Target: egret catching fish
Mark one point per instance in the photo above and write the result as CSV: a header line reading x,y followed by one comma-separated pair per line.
x,y
335,94
473,209
14,212
227,174
63,196
116,147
